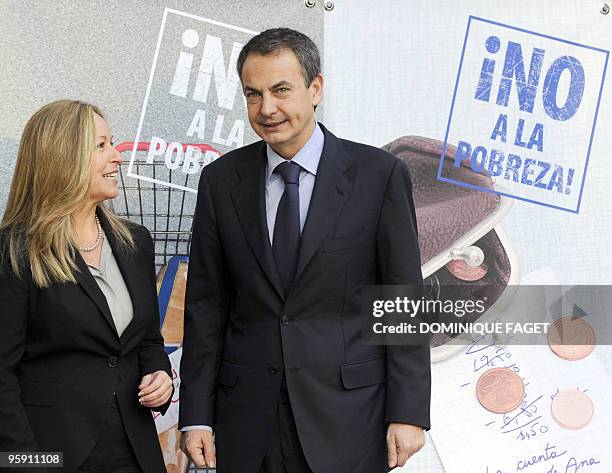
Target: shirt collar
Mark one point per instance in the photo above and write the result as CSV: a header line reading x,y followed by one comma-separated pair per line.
x,y
308,157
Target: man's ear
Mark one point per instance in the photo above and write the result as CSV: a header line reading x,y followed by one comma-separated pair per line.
x,y
316,89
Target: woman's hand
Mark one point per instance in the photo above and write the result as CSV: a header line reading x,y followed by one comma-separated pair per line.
x,y
155,389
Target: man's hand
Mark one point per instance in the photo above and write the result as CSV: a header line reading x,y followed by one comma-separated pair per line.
x,y
403,441
155,389
199,447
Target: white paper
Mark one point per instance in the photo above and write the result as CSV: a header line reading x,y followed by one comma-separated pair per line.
x,y
470,439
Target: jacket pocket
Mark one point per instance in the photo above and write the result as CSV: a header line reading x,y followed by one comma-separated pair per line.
x,y
40,393
228,374
363,373
344,243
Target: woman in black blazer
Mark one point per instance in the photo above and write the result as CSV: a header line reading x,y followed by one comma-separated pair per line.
x,y
82,360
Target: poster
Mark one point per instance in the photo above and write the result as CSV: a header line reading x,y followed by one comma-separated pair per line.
x,y
434,71
521,91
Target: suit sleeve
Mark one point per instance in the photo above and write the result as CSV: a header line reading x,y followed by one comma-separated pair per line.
x,y
399,263
15,430
206,314
151,354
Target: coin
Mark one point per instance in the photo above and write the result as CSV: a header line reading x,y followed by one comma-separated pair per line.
x,y
572,409
500,390
571,338
461,270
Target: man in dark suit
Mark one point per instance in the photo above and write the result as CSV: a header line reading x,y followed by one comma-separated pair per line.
x,y
286,232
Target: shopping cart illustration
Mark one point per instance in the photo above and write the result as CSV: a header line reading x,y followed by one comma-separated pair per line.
x,y
165,210
163,199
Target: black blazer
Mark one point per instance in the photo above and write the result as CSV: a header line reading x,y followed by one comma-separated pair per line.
x,y
61,360
242,334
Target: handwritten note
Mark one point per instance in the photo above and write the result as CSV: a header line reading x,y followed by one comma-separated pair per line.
x,y
470,439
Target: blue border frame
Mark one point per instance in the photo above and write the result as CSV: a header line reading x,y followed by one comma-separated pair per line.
x,y
450,116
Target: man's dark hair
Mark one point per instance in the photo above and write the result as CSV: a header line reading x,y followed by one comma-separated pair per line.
x,y
275,39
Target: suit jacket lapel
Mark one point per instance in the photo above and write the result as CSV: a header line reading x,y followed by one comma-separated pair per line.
x,y
91,288
250,203
329,195
128,271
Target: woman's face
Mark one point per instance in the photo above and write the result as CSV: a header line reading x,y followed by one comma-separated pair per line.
x,y
105,165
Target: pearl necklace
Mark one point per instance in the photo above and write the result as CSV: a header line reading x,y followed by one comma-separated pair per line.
x,y
88,249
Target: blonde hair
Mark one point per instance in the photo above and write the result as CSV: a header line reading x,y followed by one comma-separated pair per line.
x,y
50,183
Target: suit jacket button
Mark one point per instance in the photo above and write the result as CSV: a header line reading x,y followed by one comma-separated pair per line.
x,y
285,320
273,369
112,361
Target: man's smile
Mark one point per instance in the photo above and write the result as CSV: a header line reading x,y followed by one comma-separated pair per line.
x,y
273,126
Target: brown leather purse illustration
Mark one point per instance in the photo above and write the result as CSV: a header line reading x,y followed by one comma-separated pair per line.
x,y
461,239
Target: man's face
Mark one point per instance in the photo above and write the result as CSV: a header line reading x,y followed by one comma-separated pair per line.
x,y
280,106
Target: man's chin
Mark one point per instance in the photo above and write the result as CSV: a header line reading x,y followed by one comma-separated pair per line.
x,y
272,138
